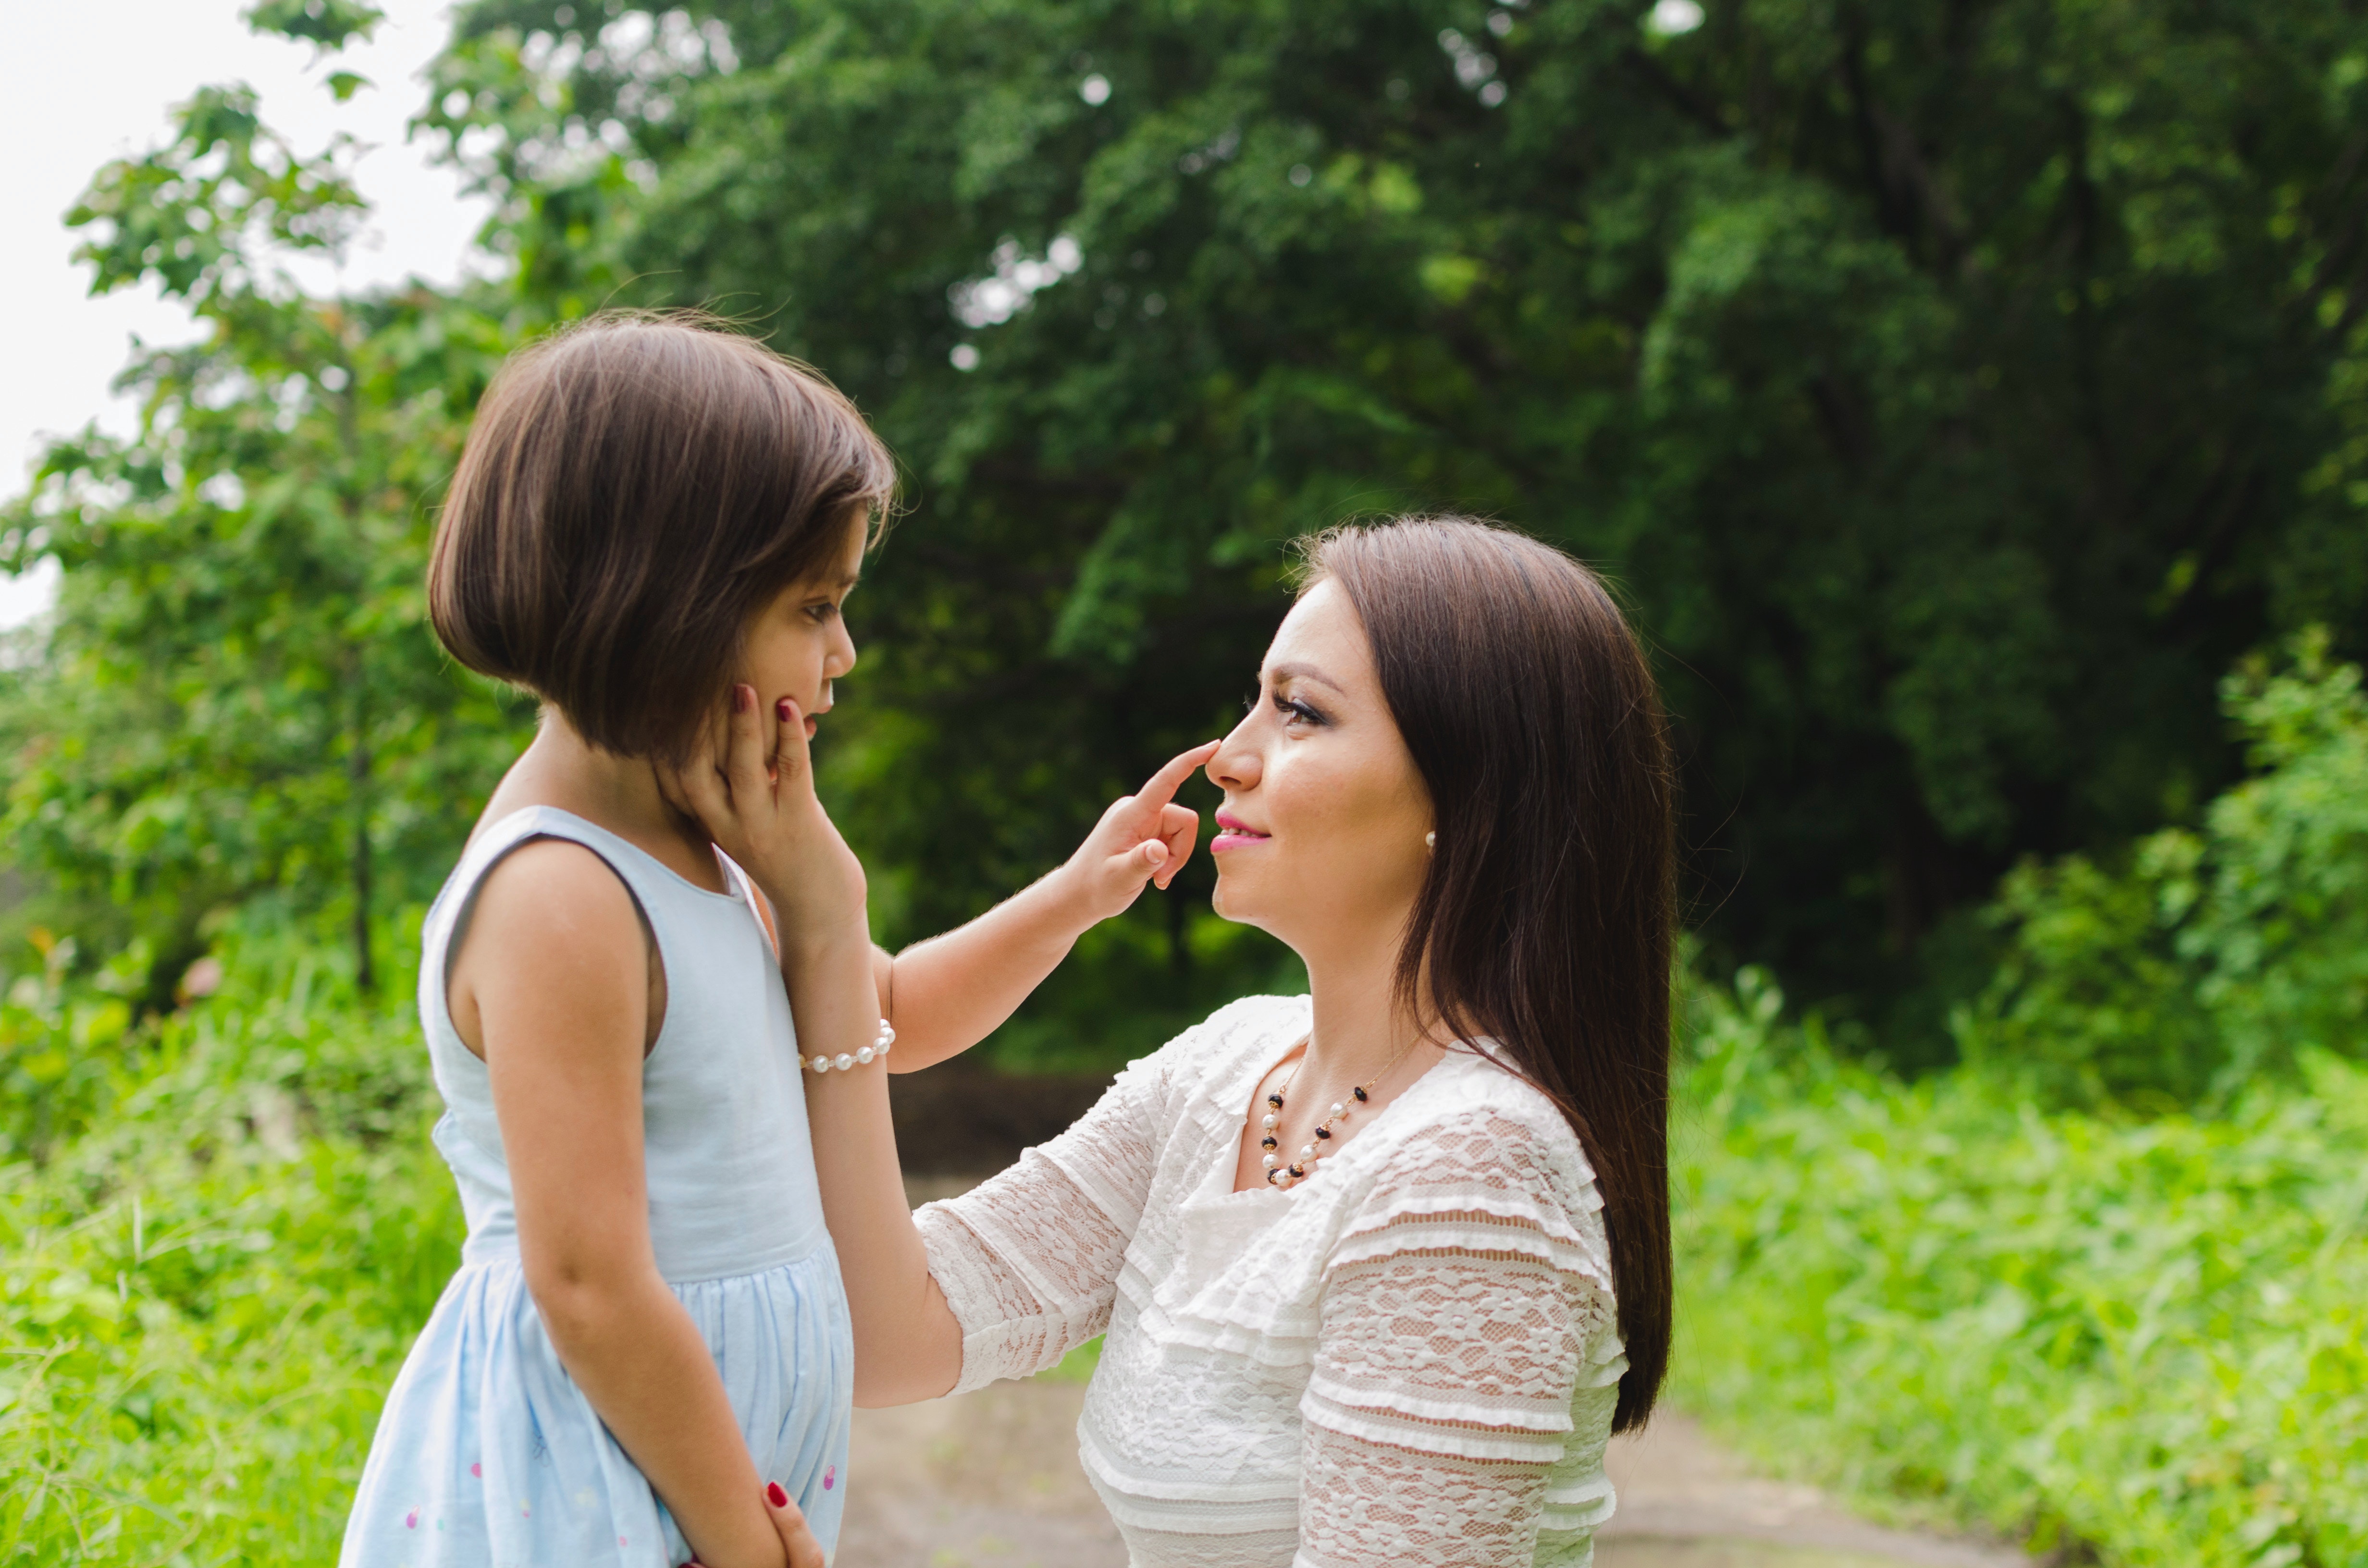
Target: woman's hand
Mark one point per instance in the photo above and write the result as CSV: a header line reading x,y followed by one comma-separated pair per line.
x,y
790,1523
1144,836
762,811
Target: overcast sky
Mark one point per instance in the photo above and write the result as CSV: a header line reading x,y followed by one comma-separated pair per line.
x,y
85,82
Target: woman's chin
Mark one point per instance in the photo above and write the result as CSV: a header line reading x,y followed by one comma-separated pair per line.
x,y
1229,899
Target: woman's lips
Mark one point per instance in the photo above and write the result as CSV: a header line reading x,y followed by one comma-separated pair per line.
x,y
1233,833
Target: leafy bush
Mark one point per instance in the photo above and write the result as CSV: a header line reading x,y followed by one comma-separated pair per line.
x,y
207,1291
2215,955
2146,1337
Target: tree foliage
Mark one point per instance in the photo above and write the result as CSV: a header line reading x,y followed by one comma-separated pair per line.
x,y
1955,389
2213,957
234,699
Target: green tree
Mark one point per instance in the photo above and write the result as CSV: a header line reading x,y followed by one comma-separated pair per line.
x,y
1956,389
2211,957
234,700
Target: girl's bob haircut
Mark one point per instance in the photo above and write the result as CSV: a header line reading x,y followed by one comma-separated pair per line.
x,y
635,488
1544,922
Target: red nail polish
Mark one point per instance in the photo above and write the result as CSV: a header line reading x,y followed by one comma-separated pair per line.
x,y
775,1495
783,711
744,697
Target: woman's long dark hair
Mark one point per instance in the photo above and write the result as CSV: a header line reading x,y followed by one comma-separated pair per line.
x,y
1545,920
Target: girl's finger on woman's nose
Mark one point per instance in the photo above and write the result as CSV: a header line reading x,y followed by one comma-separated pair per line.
x,y
1179,829
1162,786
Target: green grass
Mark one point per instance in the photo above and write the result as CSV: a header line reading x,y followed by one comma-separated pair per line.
x,y
2145,1338
207,1292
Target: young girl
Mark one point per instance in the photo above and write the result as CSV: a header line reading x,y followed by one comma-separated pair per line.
x,y
646,1353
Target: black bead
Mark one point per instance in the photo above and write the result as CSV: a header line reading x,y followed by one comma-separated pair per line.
x,y
1268,1142
1275,1100
1361,1095
1324,1132
1297,1172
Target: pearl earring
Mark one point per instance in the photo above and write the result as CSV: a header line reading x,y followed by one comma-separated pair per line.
x,y
1430,841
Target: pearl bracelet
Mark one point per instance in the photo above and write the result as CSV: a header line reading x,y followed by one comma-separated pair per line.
x,y
847,1061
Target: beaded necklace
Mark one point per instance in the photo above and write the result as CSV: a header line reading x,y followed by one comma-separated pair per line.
x,y
1285,1176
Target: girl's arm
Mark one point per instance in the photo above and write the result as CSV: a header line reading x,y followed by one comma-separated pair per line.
x,y
908,1342
556,963
946,994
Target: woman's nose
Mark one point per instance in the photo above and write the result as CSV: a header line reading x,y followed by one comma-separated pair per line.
x,y
1236,765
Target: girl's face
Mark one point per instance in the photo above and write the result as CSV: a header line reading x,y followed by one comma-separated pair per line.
x,y
1320,842
798,644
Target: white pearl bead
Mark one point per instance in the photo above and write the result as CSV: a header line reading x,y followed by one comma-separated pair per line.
x,y
843,1061
887,1030
865,1055
1306,1152
821,1064
1270,1161
1271,1121
1339,1111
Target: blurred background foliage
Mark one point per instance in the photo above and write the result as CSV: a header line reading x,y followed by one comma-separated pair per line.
x,y
1957,393
1969,397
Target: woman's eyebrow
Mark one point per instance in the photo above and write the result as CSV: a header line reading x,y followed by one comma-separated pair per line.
x,y
1302,672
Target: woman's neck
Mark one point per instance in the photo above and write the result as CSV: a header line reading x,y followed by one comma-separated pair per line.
x,y
621,793
1361,1029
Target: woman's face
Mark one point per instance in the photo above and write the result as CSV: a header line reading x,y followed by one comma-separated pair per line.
x,y
798,644
1320,842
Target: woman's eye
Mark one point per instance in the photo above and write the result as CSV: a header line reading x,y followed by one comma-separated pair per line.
x,y
1296,712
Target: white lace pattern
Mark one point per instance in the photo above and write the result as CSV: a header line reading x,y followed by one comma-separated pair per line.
x,y
1412,1357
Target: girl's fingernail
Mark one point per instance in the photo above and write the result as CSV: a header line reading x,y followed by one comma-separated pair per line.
x,y
775,1495
784,710
744,697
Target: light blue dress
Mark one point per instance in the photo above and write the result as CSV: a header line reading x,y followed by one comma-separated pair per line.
x,y
488,1454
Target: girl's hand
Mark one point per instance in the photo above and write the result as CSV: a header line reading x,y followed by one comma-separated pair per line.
x,y
762,811
1144,836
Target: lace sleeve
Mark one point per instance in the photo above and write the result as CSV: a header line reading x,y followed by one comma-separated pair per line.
x,y
1455,1329
1029,1261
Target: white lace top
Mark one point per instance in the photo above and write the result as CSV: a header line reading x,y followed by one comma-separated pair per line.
x,y
1412,1356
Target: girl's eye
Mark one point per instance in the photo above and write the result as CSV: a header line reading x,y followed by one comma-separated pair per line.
x,y
822,612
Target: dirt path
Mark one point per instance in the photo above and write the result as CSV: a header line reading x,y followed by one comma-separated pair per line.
x,y
991,1480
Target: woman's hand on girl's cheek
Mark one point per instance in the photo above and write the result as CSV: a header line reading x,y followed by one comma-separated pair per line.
x,y
762,811
1144,836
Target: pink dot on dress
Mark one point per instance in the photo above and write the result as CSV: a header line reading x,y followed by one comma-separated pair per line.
x,y
830,1478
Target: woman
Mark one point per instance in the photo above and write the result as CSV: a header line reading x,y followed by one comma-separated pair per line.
x,y
1381,1267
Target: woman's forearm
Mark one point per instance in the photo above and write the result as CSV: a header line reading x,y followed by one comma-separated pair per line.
x,y
639,1358
908,1345
947,993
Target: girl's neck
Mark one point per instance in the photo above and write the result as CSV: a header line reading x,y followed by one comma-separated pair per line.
x,y
562,769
